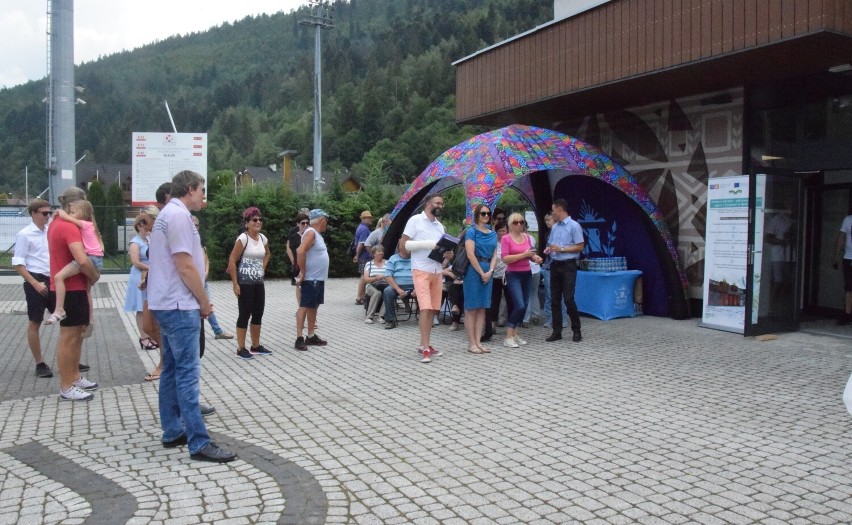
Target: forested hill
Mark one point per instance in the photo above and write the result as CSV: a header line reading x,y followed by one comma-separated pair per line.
x,y
388,88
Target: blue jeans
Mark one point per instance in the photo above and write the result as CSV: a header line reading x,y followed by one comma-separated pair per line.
x,y
548,314
389,297
179,410
518,287
214,323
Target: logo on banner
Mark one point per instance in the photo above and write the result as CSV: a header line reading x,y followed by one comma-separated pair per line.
x,y
599,232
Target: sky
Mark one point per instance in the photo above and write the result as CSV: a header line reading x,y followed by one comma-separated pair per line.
x,y
104,27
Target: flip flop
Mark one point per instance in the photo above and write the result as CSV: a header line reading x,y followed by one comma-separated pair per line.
x,y
474,350
151,376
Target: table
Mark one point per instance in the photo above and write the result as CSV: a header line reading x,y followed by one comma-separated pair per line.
x,y
606,295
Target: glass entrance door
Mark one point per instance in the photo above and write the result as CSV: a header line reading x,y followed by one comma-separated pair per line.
x,y
774,252
827,205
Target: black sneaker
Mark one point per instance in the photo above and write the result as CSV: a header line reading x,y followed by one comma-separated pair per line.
x,y
83,368
314,340
577,336
176,442
259,350
300,344
42,370
390,325
242,353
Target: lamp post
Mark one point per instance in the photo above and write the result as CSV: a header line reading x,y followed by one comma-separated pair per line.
x,y
321,16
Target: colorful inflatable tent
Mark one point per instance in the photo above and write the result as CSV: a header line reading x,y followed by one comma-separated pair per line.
x,y
543,165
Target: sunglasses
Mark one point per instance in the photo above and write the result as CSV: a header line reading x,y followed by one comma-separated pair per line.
x,y
485,214
257,219
518,222
304,223
45,213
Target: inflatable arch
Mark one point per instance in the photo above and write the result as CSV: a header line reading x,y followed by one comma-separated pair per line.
x,y
545,165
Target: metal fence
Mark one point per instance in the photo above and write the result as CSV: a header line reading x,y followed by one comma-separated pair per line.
x,y
115,224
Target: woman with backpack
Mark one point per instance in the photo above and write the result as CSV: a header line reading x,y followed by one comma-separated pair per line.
x,y
247,266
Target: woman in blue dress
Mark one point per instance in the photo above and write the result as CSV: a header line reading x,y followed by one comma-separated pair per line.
x,y
134,300
481,246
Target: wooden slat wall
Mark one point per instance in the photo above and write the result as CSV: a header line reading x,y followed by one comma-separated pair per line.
x,y
625,38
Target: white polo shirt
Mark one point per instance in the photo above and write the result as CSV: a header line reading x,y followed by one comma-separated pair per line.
x,y
420,228
31,250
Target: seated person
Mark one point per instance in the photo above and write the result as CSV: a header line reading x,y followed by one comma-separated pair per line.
x,y
454,292
400,284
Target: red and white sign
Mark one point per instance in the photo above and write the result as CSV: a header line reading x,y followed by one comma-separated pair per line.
x,y
157,157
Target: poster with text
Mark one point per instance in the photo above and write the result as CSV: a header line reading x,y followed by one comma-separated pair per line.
x,y
726,254
157,157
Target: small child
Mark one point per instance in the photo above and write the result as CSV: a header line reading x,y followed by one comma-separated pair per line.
x,y
83,216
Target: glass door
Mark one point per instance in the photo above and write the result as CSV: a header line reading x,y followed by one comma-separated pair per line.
x,y
774,252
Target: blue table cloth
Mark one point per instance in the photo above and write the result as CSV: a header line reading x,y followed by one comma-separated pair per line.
x,y
606,295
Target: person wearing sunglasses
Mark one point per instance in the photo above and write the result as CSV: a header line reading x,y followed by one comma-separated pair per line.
x,y
480,244
247,266
294,239
32,262
134,299
517,251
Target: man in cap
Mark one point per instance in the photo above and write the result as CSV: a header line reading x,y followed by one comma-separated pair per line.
x,y
362,255
312,258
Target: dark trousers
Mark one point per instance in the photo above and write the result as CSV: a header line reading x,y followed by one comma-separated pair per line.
x,y
497,293
563,281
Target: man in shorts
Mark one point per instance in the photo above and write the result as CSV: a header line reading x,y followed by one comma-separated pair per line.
x,y
65,244
421,235
32,262
312,257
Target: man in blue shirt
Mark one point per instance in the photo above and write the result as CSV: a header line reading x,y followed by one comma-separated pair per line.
x,y
566,242
362,254
400,284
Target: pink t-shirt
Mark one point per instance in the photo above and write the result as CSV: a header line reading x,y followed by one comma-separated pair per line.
x,y
510,247
90,239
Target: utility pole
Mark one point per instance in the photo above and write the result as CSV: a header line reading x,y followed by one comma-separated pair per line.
x,y
321,17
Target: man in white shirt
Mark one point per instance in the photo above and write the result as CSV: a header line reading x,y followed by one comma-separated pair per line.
x,y
421,235
32,262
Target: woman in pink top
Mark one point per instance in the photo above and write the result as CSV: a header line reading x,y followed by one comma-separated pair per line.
x,y
517,251
83,216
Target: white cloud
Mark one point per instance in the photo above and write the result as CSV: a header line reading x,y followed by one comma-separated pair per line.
x,y
103,27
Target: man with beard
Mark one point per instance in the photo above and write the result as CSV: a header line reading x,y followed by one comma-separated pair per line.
x,y
421,235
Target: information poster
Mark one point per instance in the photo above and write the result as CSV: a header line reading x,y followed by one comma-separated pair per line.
x,y
726,254
157,157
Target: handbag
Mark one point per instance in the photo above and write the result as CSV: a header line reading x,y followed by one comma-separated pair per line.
x,y
460,263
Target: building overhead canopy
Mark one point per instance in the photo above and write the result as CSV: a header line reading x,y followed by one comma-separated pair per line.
x,y
627,53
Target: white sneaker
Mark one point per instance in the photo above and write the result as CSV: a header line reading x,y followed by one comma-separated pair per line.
x,y
85,384
368,320
520,341
381,320
510,343
75,394
435,321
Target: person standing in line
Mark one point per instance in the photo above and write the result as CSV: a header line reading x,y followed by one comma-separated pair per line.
x,y
377,236
480,244
566,242
498,285
533,305
420,236
362,255
218,332
134,299
545,280
312,256
517,252
178,301
32,262
65,244
294,239
248,262
844,257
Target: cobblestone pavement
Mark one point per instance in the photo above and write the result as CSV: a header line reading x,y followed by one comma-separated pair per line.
x,y
648,420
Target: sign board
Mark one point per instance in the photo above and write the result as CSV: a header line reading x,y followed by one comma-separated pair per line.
x,y
726,254
532,221
157,157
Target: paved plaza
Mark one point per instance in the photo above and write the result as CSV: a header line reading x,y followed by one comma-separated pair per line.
x,y
648,420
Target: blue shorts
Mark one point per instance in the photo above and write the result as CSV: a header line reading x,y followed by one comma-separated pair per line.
x,y
313,294
97,261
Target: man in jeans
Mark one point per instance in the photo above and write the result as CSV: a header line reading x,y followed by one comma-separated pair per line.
x,y
400,284
177,298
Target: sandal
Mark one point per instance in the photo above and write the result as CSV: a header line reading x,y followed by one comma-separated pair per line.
x,y
148,344
55,318
484,350
474,350
152,376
